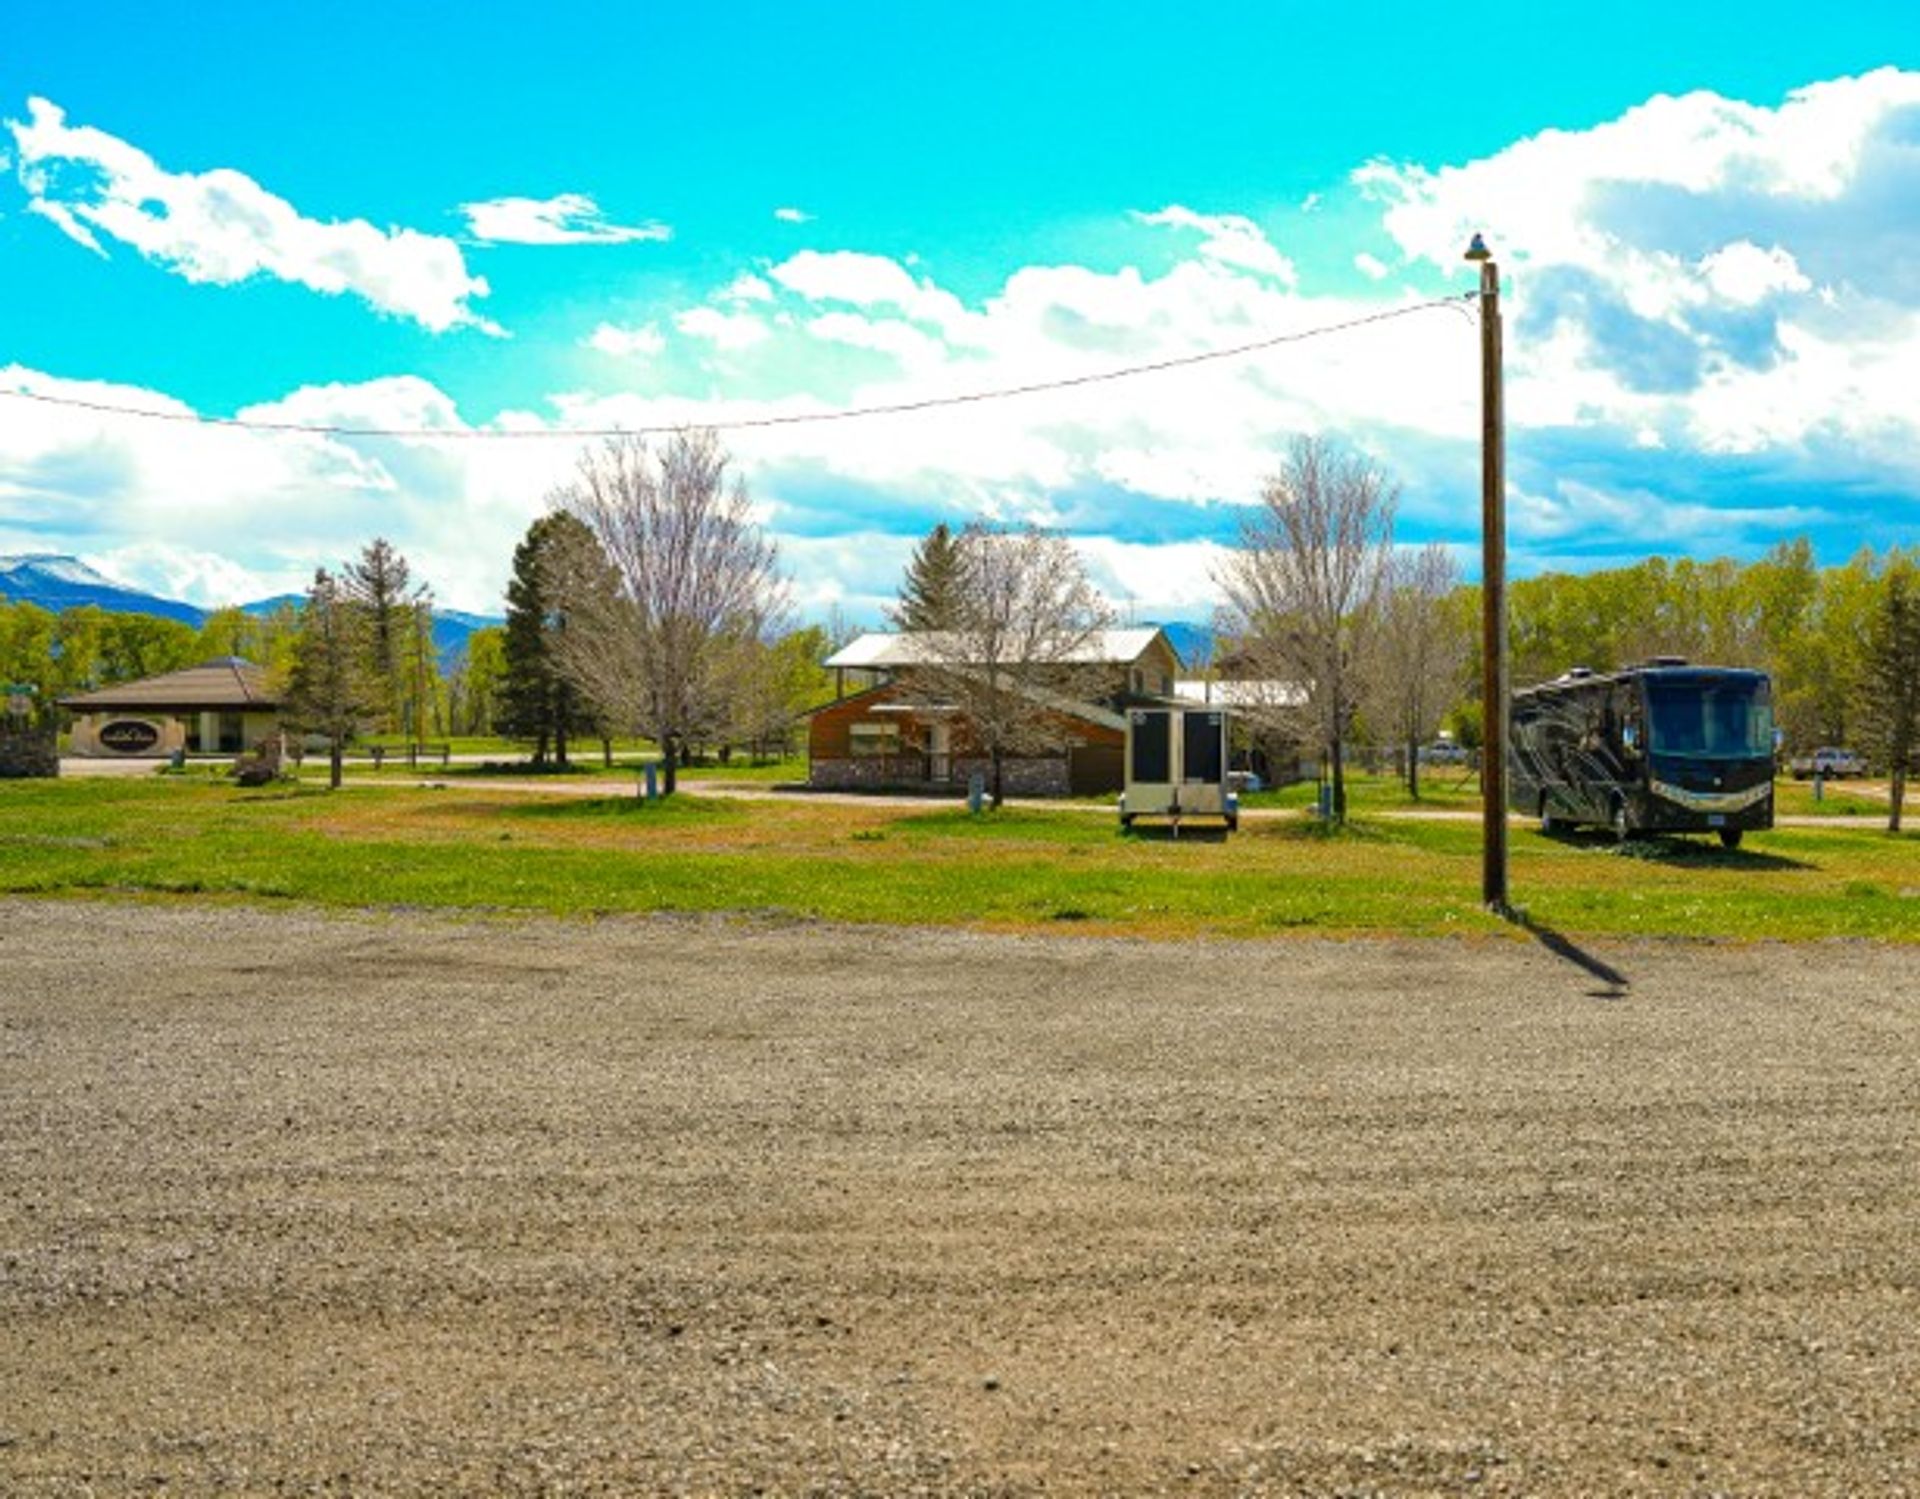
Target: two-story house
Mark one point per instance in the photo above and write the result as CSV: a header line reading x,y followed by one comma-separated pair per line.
x,y
888,725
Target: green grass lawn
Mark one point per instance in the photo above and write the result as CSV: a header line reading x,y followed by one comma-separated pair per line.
x,y
1838,799
1441,789
1022,868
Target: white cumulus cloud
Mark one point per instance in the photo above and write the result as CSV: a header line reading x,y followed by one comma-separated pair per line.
x,y
1228,239
1729,276
724,330
609,338
1757,386
569,219
1742,272
221,227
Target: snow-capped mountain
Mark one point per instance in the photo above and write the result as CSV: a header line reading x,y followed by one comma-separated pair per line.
x,y
56,582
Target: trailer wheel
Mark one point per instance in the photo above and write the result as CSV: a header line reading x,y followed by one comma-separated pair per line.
x,y
1730,837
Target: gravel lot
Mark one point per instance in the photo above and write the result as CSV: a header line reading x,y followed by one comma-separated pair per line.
x,y
403,1204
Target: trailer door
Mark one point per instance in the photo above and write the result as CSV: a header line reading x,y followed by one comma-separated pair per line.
x,y
1203,748
1152,748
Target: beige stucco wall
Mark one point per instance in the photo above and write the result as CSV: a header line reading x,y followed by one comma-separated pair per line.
x,y
254,727
86,733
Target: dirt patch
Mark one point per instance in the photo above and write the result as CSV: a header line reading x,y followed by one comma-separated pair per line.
x,y
413,1205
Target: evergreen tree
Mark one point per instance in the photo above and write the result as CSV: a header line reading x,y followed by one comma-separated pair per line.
x,y
423,692
377,583
536,700
1888,708
327,690
930,592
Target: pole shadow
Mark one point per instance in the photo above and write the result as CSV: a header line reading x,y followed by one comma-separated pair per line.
x,y
1617,983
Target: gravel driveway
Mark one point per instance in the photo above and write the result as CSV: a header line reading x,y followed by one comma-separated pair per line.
x,y
404,1204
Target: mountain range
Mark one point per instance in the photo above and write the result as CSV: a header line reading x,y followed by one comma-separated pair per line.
x,y
55,582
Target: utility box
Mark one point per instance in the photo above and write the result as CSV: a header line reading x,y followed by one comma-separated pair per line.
x,y
1177,766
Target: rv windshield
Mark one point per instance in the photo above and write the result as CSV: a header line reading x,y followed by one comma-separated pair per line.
x,y
1704,717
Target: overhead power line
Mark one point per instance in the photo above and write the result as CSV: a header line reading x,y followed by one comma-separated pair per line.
x,y
795,419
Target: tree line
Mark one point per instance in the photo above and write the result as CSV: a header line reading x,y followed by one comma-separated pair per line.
x,y
1384,640
647,601
83,647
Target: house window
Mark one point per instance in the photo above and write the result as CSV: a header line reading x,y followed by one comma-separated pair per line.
x,y
874,739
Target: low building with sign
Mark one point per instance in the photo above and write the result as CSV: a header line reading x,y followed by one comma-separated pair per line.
x,y
216,708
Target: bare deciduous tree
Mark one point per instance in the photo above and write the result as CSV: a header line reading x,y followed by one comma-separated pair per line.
x,y
693,579
1304,588
1026,625
1422,648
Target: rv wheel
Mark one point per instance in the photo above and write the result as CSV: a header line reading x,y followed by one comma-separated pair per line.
x,y
1730,837
1549,824
1618,822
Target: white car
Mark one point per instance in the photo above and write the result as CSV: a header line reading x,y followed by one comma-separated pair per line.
x,y
1828,763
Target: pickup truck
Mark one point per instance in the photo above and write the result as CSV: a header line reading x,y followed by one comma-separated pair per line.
x,y
1828,763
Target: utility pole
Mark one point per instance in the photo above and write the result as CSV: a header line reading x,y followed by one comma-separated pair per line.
x,y
1493,588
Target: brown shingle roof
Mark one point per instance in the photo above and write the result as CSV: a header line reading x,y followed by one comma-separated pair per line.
x,y
228,683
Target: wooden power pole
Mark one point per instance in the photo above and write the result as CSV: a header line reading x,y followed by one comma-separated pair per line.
x,y
1493,588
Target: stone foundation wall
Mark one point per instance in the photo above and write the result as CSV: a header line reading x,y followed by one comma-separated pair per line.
x,y
28,753
1035,777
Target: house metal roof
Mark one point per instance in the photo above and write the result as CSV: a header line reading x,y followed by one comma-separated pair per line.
x,y
228,683
1091,713
884,652
1239,693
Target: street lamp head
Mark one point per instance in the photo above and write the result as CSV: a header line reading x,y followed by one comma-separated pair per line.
x,y
1478,250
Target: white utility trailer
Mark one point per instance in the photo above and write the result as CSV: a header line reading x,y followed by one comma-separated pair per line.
x,y
1177,766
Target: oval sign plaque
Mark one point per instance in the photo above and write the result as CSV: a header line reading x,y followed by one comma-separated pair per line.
x,y
128,736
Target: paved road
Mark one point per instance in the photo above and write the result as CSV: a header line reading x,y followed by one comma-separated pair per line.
x,y
405,1205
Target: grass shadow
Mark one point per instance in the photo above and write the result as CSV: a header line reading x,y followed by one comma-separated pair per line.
x,y
1022,823
1676,851
680,807
1693,854
1316,830
1165,832
514,769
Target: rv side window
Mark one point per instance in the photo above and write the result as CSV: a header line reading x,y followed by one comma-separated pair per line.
x,y
1628,724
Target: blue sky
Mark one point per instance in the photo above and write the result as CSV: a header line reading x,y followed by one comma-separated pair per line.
x,y
554,217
